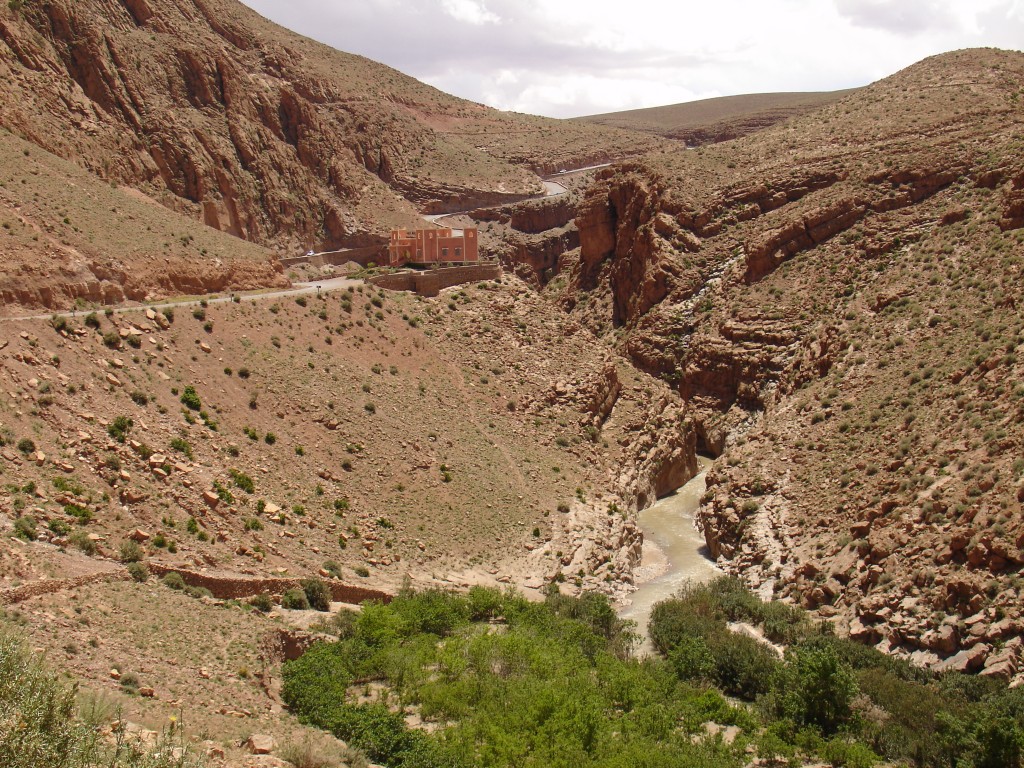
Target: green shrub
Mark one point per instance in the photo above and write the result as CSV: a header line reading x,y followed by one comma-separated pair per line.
x,y
112,339
174,580
817,688
26,446
845,754
130,552
242,480
182,446
25,528
81,541
190,399
140,398
129,682
119,428
318,594
82,514
198,592
262,602
295,600
138,571
37,711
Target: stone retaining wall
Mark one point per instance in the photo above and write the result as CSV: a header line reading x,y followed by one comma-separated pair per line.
x,y
49,586
237,587
223,588
361,256
433,281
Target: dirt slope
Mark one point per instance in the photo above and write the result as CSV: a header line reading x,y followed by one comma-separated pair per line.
x,y
70,239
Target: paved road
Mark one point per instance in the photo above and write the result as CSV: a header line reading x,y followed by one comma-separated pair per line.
x,y
298,289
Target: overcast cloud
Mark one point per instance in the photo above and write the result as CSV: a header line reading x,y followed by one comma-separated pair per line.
x,y
563,58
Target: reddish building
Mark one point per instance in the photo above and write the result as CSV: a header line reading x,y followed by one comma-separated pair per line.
x,y
433,246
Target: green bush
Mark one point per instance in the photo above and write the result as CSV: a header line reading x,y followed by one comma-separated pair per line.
x,y
262,602
130,552
138,571
817,688
242,480
25,528
318,594
174,580
82,514
295,600
37,713
190,399
119,428
81,541
181,445
845,754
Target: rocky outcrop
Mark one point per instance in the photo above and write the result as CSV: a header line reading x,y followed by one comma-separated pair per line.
x,y
663,453
814,228
1013,205
619,243
102,285
535,259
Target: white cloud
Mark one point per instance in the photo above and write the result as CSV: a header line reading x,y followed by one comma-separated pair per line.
x,y
570,57
896,16
469,11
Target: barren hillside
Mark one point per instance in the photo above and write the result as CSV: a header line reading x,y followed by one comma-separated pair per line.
x,y
708,121
837,300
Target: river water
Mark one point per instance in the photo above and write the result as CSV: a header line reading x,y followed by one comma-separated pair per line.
x,y
674,551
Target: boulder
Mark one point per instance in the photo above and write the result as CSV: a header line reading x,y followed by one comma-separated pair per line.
x,y
261,744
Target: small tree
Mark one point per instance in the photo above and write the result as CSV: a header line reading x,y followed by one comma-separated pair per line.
x,y
818,688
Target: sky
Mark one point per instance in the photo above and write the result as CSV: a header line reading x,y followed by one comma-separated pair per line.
x,y
564,58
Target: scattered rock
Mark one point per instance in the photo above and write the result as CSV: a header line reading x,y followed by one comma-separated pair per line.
x,y
261,744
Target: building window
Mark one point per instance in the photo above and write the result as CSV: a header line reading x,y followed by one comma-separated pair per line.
x,y
444,251
458,252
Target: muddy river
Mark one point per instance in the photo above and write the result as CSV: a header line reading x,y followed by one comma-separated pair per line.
x,y
674,551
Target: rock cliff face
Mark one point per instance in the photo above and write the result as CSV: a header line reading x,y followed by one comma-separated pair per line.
x,y
838,314
258,132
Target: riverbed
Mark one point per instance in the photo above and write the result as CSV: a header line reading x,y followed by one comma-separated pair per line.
x,y
673,552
